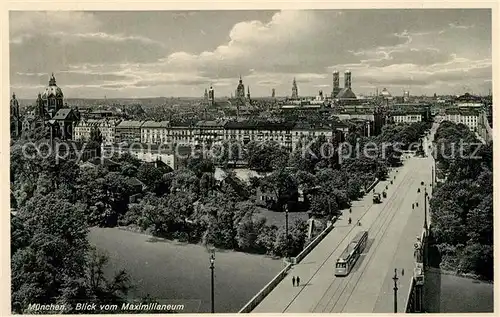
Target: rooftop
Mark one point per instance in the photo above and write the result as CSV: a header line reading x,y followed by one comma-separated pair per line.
x,y
130,124
259,125
155,124
346,93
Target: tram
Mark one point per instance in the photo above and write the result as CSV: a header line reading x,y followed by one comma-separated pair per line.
x,y
348,258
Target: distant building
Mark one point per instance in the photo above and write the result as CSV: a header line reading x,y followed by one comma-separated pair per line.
x,y
209,131
246,131
295,90
385,94
240,90
155,132
336,84
106,127
469,117
406,96
128,131
406,116
16,125
98,114
469,101
63,123
144,152
52,97
164,132
304,131
211,96
273,93
50,111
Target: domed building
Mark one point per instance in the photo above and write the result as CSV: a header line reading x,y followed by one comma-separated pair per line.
x,y
385,94
52,97
51,111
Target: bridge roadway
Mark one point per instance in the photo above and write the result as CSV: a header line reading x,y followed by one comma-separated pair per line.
x,y
392,230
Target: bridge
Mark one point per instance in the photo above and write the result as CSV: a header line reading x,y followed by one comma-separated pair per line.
x,y
394,228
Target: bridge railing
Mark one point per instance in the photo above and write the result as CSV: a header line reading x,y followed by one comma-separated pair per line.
x,y
410,298
281,275
265,291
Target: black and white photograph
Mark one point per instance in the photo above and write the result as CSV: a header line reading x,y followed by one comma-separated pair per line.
x,y
212,160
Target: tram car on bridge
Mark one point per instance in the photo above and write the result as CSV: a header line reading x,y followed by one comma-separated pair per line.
x,y
348,258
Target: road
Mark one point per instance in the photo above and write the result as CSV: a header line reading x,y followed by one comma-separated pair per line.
x,y
392,228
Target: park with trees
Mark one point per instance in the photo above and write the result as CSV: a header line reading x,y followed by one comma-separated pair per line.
x,y
462,205
56,201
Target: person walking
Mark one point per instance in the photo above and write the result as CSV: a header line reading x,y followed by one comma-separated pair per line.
x,y
350,220
403,272
298,281
293,281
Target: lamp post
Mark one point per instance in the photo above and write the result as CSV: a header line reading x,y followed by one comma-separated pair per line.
x,y
286,231
212,263
432,176
425,209
395,279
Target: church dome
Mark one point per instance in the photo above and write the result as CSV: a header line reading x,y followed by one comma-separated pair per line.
x,y
52,90
385,93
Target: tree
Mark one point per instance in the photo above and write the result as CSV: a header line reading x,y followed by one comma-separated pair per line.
x,y
95,140
200,165
52,253
265,156
152,177
282,185
324,204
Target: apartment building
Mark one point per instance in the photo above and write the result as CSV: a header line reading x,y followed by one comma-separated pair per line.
x,y
469,117
128,131
206,131
405,116
83,128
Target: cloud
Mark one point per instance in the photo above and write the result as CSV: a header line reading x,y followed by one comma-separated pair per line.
x,y
389,47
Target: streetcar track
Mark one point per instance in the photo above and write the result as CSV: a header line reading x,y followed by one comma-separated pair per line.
x,y
378,226
339,284
382,230
338,245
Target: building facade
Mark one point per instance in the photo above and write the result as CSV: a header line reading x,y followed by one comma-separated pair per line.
x,y
246,131
209,131
405,117
128,131
52,97
156,132
106,127
145,152
469,117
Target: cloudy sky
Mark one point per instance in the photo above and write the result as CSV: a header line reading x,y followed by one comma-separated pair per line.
x,y
180,53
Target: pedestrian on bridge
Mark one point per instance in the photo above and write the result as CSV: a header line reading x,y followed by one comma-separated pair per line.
x,y
293,281
298,281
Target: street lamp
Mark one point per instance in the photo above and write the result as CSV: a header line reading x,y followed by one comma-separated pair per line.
x,y
425,209
395,279
212,262
286,231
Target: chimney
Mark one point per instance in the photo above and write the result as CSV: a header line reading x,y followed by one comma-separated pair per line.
x,y
347,79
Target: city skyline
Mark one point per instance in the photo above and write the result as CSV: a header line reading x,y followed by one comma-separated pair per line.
x,y
181,53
